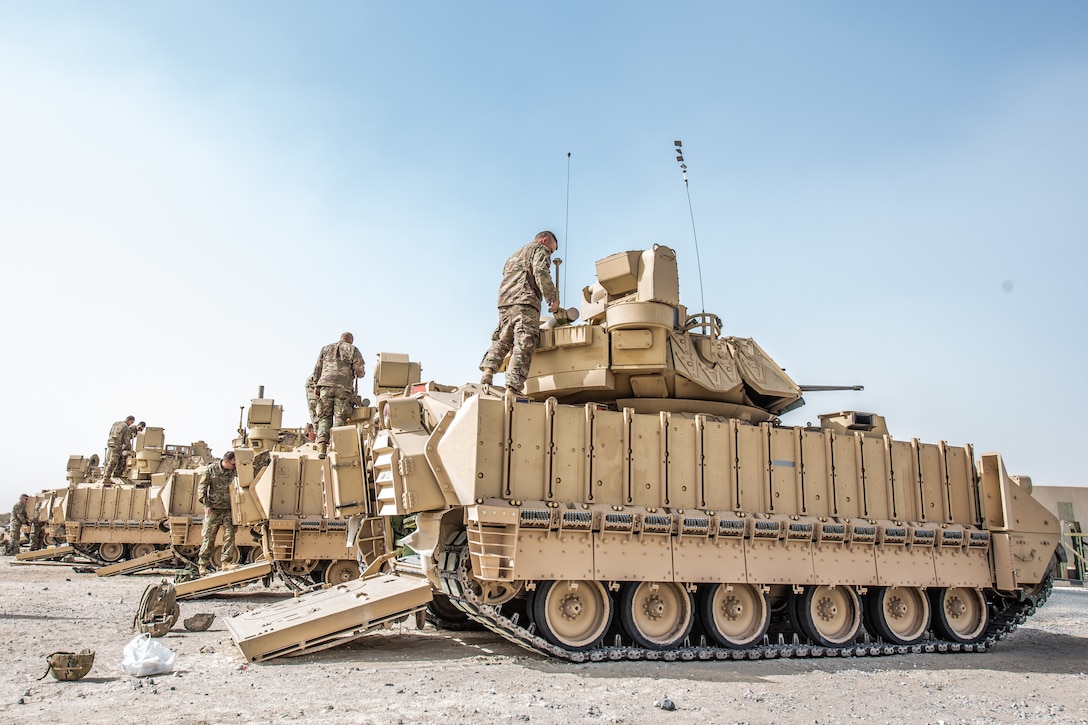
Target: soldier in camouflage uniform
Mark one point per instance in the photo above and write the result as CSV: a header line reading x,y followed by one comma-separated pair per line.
x,y
526,278
37,518
338,365
214,494
117,447
311,397
15,528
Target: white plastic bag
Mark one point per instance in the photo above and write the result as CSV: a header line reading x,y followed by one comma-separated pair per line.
x,y
146,656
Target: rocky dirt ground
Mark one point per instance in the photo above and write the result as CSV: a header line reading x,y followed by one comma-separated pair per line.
x,y
409,676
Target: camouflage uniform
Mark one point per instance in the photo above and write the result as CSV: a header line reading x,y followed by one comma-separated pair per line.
x,y
117,448
526,278
311,397
214,493
337,367
15,529
37,525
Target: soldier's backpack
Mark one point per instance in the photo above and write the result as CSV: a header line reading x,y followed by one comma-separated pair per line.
x,y
158,610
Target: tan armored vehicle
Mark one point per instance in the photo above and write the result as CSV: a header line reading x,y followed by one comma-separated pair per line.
x,y
644,501
280,496
282,510
126,518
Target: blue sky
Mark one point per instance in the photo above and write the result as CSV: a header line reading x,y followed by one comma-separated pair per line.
x,y
194,197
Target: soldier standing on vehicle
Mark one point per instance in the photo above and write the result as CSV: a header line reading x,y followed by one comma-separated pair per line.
x,y
338,365
526,277
18,521
311,397
117,447
214,495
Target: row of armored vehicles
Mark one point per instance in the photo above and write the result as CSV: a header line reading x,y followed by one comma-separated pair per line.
x,y
153,508
641,499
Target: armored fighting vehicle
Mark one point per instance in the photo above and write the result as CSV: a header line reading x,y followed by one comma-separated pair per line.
x,y
124,518
286,523
281,498
644,500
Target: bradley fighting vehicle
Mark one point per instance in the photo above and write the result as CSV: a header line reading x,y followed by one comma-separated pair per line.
x,y
283,512
125,518
643,500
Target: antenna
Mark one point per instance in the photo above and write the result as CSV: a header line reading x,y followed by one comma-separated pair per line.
x,y
566,233
698,262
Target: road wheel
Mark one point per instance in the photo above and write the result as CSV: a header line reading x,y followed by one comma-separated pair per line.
x,y
301,567
829,616
960,614
340,572
898,614
111,551
657,615
139,550
734,615
572,614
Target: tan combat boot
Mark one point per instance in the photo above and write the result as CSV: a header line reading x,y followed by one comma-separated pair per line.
x,y
487,377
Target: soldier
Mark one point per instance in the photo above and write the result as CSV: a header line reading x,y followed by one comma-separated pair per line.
x,y
117,447
311,397
18,521
37,525
338,365
526,278
214,494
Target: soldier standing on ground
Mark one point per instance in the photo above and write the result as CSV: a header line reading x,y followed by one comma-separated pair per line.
x,y
37,525
338,365
214,494
18,521
117,447
526,278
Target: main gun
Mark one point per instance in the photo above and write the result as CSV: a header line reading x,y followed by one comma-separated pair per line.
x,y
829,388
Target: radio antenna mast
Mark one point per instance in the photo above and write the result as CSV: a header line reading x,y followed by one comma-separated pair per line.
x,y
566,232
698,262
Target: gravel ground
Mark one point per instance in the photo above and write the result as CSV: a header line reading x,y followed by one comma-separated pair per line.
x,y
409,676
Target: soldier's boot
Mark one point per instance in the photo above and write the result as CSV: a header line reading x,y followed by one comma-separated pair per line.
x,y
322,449
487,377
202,570
514,389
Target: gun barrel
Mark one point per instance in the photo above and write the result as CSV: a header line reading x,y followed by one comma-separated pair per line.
x,y
828,388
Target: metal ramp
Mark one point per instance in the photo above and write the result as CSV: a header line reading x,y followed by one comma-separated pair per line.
x,y
132,566
49,552
328,617
221,580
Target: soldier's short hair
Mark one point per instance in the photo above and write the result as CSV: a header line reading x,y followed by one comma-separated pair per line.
x,y
130,419
347,337
541,236
229,456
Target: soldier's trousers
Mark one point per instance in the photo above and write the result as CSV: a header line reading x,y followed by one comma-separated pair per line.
x,y
219,517
333,409
15,532
37,536
517,334
115,461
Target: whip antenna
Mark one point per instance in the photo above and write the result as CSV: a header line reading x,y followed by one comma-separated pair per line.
x,y
698,262
566,233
